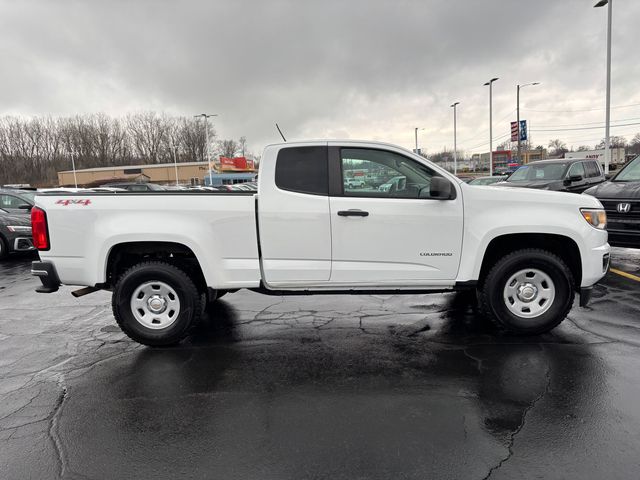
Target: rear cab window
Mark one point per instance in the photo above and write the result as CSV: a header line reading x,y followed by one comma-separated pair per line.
x,y
303,170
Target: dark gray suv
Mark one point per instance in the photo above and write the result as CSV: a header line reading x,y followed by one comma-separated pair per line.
x,y
563,175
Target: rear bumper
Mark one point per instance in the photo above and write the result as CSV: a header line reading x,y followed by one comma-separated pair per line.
x,y
48,276
23,244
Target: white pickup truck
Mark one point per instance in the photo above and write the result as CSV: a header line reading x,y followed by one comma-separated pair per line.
x,y
164,255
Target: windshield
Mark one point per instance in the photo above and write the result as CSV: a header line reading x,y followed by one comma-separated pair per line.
x,y
630,173
541,171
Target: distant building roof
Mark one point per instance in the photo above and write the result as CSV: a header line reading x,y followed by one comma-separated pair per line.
x,y
127,167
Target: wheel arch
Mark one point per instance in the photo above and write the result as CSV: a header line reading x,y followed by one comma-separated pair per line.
x,y
124,255
565,247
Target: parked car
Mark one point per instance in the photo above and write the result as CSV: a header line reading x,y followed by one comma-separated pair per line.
x,y
562,175
621,199
488,180
393,184
526,253
136,187
354,182
18,202
15,234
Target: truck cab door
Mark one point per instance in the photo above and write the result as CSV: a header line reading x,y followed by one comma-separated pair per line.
x,y
294,224
391,231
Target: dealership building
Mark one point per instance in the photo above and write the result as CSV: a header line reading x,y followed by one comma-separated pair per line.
x,y
226,170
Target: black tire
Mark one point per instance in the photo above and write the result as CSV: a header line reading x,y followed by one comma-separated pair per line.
x,y
491,292
4,249
190,303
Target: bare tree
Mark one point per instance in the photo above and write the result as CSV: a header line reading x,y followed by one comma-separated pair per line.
x,y
227,148
614,142
634,145
242,145
558,147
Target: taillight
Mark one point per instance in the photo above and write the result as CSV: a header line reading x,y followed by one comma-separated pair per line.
x,y
39,230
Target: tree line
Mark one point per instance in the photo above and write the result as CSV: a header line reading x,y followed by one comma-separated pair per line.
x,y
33,150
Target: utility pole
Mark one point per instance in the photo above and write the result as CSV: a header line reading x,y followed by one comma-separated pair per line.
x,y
518,115
455,147
206,134
607,149
490,84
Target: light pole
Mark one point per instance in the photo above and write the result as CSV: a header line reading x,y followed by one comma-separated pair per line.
x,y
73,165
416,134
455,149
607,151
518,115
206,134
175,162
490,84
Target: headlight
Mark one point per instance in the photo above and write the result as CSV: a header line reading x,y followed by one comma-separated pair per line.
x,y
596,217
19,228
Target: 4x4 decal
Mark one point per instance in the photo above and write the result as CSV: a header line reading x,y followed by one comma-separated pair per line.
x,y
66,202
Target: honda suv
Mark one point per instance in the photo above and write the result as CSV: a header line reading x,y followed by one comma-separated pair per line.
x,y
621,199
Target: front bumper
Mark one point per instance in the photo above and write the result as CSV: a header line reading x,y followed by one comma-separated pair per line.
x,y
624,238
48,276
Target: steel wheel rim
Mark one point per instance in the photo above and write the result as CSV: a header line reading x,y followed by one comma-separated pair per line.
x,y
529,293
155,305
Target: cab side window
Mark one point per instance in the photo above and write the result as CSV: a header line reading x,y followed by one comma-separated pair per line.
x,y
9,201
592,169
379,173
577,169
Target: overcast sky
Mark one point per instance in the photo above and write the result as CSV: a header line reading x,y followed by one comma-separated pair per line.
x,y
370,69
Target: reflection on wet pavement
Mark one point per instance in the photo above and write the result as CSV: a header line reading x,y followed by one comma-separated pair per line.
x,y
323,387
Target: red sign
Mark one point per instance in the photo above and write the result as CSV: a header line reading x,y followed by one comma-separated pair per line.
x,y
236,163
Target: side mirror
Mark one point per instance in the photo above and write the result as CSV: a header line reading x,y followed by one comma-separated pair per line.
x,y
440,188
25,206
573,179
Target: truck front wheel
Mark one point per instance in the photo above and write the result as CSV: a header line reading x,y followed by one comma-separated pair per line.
x,y
156,303
527,292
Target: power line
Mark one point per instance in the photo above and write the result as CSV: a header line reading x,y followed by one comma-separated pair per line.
x,y
582,128
582,110
589,123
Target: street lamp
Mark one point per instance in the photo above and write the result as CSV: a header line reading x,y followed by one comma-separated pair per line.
x,y
416,133
490,84
206,133
518,109
455,149
175,162
73,165
607,152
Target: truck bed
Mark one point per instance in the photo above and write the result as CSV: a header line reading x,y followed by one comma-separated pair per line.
x,y
219,227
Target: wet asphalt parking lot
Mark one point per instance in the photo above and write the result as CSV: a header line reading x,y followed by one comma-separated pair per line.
x,y
386,387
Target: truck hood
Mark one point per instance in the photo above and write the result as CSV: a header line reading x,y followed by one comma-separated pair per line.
x,y
528,196
621,190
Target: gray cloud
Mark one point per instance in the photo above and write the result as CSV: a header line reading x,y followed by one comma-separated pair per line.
x,y
367,69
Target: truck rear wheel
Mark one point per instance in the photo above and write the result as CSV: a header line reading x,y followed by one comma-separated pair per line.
x,y
527,292
156,303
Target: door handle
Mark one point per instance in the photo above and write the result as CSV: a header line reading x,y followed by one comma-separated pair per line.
x,y
353,213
